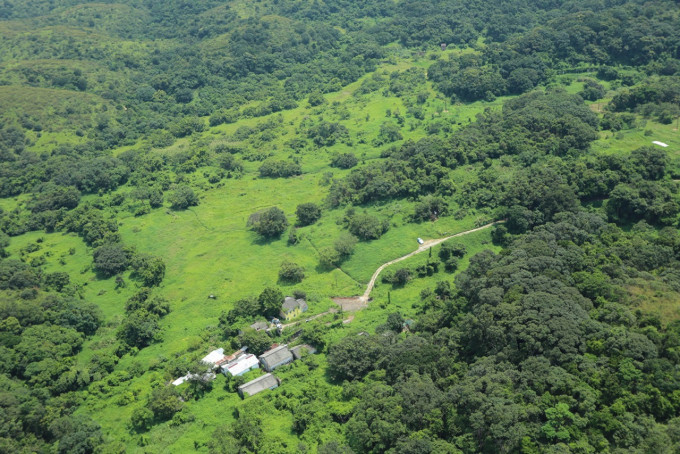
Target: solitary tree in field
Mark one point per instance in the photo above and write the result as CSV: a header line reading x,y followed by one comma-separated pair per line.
x,y
268,223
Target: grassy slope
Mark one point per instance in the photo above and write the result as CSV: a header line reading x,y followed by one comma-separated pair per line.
x,y
208,250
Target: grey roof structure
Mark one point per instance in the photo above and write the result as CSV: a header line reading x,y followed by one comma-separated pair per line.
x,y
276,357
297,351
267,381
290,304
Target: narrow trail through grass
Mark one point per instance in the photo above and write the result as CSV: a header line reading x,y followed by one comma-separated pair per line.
x,y
423,247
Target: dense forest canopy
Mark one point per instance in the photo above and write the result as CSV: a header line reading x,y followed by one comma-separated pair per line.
x,y
170,171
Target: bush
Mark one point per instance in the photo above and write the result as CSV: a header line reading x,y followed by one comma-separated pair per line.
x,y
268,223
316,99
291,272
307,214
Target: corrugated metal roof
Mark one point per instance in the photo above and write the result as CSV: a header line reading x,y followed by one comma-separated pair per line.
x,y
267,381
276,357
214,356
243,364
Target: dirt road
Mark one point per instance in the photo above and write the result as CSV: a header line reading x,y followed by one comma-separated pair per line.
x,y
423,247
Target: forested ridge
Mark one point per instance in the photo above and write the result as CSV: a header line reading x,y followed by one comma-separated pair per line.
x,y
171,170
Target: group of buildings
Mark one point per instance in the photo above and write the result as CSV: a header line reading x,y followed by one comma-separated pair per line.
x,y
240,362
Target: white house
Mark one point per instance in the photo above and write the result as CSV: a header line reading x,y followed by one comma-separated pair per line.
x,y
239,367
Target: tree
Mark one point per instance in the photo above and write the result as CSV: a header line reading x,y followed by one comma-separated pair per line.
x,y
139,329
270,300
182,198
164,402
368,227
401,276
430,208
329,257
111,259
344,244
257,342
141,419
389,132
149,269
291,272
353,357
307,214
268,223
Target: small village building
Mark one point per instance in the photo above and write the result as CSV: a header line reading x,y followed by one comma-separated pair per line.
x,y
207,376
243,364
276,357
180,380
213,357
231,358
300,350
292,307
267,381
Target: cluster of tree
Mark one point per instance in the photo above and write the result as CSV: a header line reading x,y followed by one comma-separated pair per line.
x,y
658,98
267,304
141,325
41,331
538,348
521,59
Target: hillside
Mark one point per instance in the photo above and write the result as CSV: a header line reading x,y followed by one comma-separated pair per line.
x,y
171,170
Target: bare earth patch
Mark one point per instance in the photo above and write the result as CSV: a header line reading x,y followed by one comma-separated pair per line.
x,y
351,304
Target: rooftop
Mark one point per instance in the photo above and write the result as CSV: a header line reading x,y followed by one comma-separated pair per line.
x,y
243,364
290,304
214,356
276,357
298,349
267,381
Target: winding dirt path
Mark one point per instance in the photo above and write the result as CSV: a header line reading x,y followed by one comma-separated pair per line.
x,y
423,247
